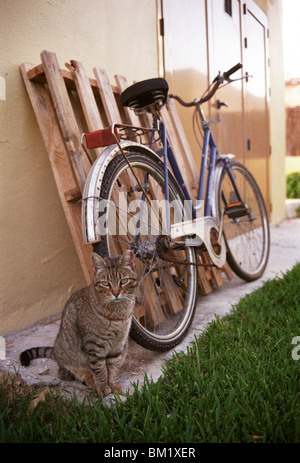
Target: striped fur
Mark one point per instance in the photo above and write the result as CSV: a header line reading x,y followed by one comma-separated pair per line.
x,y
35,352
91,343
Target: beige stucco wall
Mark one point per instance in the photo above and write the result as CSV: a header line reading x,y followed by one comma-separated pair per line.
x,y
292,164
39,265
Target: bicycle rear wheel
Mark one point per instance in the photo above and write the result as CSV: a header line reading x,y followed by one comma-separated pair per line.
x,y
245,225
167,286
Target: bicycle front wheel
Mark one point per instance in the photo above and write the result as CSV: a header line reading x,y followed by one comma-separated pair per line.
x,y
245,224
135,218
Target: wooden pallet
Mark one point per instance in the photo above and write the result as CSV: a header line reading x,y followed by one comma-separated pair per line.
x,y
67,103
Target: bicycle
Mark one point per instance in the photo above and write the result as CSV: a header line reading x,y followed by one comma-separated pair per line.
x,y
135,198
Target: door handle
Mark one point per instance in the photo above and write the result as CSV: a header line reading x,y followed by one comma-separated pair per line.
x,y
221,103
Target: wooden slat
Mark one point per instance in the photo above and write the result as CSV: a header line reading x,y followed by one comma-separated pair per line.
x,y
203,282
154,312
148,311
73,195
171,297
37,74
132,118
186,153
87,100
227,270
107,96
176,150
216,277
62,171
66,117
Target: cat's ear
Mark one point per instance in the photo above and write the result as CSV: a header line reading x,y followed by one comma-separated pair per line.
x,y
98,262
127,259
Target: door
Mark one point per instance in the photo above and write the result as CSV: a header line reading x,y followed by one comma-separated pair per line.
x,y
225,51
203,37
185,56
256,93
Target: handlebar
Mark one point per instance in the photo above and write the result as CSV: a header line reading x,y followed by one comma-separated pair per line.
x,y
217,82
231,71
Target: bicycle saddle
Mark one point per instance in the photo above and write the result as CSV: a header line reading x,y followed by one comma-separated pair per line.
x,y
146,95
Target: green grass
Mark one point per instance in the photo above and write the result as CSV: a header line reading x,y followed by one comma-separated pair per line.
x,y
237,382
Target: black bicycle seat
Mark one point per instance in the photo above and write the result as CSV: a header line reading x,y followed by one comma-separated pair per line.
x,y
145,94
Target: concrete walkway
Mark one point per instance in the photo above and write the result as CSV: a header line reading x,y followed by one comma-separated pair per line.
x,y
285,252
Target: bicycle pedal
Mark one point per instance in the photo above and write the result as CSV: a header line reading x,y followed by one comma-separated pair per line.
x,y
236,210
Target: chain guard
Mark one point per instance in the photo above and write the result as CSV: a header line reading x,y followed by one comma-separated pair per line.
x,y
200,231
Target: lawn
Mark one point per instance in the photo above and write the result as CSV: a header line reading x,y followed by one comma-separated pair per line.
x,y
238,382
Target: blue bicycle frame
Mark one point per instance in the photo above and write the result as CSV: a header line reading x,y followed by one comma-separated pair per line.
x,y
209,157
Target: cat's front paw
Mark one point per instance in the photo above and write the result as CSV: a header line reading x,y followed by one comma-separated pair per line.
x,y
116,388
103,390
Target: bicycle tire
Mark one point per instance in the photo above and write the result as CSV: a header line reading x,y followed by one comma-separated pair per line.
x,y
247,237
158,324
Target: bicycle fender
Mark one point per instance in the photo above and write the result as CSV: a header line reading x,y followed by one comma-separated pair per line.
x,y
92,187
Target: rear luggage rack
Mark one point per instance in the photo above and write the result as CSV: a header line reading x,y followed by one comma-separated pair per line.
x,y
116,133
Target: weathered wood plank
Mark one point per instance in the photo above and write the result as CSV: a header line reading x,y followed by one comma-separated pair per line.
x,y
227,270
132,118
37,74
203,282
61,167
186,153
66,117
176,150
87,100
73,195
107,96
216,277
171,297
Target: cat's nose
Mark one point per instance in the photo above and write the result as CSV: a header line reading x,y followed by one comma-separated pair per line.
x,y
115,292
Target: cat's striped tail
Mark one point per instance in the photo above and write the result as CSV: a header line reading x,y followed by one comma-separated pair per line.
x,y
35,352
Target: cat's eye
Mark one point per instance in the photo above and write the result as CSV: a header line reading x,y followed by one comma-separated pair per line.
x,y
105,283
124,281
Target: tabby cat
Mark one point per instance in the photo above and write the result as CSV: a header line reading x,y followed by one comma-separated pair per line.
x,y
92,340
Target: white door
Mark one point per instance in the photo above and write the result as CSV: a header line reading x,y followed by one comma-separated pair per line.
x,y
225,51
185,56
256,97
